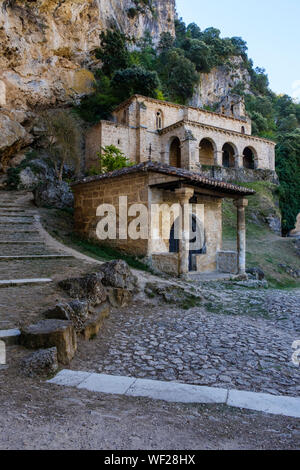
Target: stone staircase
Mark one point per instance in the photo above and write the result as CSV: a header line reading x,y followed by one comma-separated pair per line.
x,y
20,235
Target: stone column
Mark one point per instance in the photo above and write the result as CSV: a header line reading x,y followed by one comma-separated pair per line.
x,y
184,195
241,204
218,157
239,160
189,153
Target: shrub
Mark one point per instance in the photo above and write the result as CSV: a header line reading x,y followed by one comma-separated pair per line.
x,y
110,158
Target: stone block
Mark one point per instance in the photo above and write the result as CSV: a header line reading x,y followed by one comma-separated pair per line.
x,y
175,392
227,262
107,383
94,323
50,333
119,297
40,363
69,378
10,336
278,405
88,288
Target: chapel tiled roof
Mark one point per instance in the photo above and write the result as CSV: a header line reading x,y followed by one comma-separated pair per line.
x,y
195,179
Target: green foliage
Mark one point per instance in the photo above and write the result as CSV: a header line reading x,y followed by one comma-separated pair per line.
x,y
113,52
133,80
106,253
288,169
110,158
101,103
62,137
178,75
13,174
171,71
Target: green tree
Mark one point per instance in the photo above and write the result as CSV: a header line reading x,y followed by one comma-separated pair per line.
x,y
200,54
178,75
113,52
135,80
101,103
62,136
111,158
166,42
288,170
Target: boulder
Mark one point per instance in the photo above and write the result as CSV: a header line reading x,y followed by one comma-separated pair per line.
x,y
256,273
61,311
93,324
27,179
55,194
274,223
118,274
13,137
87,288
80,313
252,284
119,297
171,294
50,333
40,363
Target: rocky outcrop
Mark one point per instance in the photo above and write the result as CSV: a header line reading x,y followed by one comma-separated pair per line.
x,y
118,274
296,231
87,288
54,194
46,53
182,297
219,83
86,320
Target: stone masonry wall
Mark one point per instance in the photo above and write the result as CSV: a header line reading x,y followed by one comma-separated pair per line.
x,y
107,191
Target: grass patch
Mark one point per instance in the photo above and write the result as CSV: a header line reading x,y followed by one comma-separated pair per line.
x,y
106,253
264,249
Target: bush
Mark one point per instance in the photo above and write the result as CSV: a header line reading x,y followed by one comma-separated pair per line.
x,y
110,158
135,80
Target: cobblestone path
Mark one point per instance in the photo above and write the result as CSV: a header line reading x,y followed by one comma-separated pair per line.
x,y
250,349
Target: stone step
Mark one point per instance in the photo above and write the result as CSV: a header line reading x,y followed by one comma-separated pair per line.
x,y
7,223
21,242
32,257
13,230
23,214
10,336
22,282
26,250
16,218
5,210
19,238
51,333
12,206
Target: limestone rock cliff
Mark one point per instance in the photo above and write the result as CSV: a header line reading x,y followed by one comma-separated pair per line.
x,y
46,51
219,83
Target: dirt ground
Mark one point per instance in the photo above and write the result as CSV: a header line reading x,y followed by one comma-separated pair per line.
x,y
37,415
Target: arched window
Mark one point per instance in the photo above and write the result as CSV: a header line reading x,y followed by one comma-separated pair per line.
x,y
124,119
175,153
243,129
206,152
228,156
249,158
159,120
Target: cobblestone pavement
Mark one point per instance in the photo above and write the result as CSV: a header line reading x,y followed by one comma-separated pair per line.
x,y
246,343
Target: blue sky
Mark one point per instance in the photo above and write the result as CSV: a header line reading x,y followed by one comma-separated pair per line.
x,y
270,27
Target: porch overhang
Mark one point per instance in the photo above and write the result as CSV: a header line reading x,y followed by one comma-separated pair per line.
x,y
200,188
